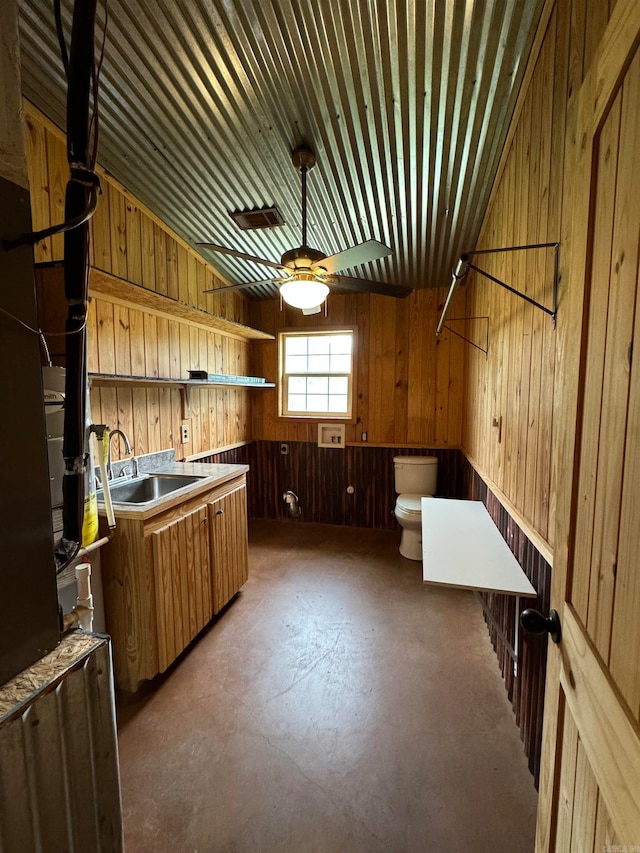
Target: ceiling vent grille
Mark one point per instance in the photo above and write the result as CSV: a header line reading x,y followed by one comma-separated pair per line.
x,y
250,220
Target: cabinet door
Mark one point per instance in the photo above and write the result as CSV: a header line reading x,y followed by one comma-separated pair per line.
x,y
229,545
182,578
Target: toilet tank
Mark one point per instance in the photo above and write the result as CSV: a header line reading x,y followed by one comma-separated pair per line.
x,y
416,475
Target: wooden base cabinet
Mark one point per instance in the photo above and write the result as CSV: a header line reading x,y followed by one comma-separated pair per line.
x,y
229,545
166,575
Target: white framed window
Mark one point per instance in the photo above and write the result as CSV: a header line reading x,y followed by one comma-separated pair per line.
x,y
316,373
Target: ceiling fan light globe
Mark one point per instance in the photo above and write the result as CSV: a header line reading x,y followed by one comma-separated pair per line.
x,y
304,294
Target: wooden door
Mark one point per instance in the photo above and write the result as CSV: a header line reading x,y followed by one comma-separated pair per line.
x,y
182,578
590,774
229,545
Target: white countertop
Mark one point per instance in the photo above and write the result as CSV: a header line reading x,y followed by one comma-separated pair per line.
x,y
461,546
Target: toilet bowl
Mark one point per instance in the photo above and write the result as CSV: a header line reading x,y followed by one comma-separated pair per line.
x,y
415,478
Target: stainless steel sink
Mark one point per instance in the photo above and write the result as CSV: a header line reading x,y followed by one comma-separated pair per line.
x,y
149,488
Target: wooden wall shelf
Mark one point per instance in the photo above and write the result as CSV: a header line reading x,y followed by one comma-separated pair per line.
x,y
119,290
110,380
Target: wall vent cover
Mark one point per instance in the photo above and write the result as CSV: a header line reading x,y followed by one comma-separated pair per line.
x,y
250,220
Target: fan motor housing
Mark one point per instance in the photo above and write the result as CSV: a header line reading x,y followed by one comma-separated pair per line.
x,y
301,258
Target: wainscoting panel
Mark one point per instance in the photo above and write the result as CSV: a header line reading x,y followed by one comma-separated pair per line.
x,y
526,687
319,477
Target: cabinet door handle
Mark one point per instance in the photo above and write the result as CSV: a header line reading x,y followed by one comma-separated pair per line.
x,y
205,520
219,511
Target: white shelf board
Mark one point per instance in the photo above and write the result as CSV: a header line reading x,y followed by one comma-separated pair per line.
x,y
461,546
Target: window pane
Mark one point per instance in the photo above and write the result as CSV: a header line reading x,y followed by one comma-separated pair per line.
x,y
318,385
317,403
338,385
340,344
296,346
297,385
297,403
319,345
337,403
296,364
340,364
318,364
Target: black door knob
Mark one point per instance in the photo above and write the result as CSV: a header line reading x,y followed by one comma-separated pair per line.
x,y
535,623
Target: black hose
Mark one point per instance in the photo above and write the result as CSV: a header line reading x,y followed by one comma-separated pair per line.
x,y
76,257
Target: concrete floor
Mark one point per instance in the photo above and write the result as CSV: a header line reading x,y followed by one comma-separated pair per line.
x,y
337,705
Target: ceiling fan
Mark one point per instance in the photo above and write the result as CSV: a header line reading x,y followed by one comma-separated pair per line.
x,y
306,275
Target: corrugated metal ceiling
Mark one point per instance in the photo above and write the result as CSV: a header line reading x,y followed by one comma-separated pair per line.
x,y
406,104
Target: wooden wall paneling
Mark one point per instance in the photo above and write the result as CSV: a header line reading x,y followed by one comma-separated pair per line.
x,y
165,418
121,339
171,248
38,171
118,231
381,369
553,160
456,378
93,361
416,370
185,350
533,285
133,238
515,211
183,274
148,248
106,337
160,259
174,350
164,359
176,420
58,169
201,278
442,386
192,280
362,319
101,251
598,308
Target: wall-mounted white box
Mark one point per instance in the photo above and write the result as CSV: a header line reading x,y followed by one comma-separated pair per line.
x,y
331,435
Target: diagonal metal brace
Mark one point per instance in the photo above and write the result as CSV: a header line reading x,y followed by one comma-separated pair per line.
x,y
464,265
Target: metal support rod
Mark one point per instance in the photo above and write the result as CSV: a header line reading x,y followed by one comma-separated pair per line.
x,y
468,340
512,289
303,170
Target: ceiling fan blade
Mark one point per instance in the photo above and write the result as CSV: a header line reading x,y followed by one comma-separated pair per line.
x,y
363,285
363,253
236,254
231,288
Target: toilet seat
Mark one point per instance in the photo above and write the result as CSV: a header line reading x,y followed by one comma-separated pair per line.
x,y
410,504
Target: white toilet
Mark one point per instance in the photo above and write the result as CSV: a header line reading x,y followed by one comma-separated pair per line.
x,y
416,477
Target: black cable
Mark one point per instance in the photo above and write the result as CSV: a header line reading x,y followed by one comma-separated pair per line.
x,y
34,237
61,41
76,259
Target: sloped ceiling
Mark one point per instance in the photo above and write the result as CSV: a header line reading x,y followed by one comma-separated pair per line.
x,y
405,102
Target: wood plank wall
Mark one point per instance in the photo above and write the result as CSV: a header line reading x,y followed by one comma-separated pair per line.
x,y
128,241
530,204
526,689
408,382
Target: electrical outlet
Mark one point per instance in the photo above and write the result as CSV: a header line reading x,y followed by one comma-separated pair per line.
x,y
284,449
184,433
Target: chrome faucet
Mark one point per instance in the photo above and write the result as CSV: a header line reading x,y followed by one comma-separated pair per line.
x,y
127,450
